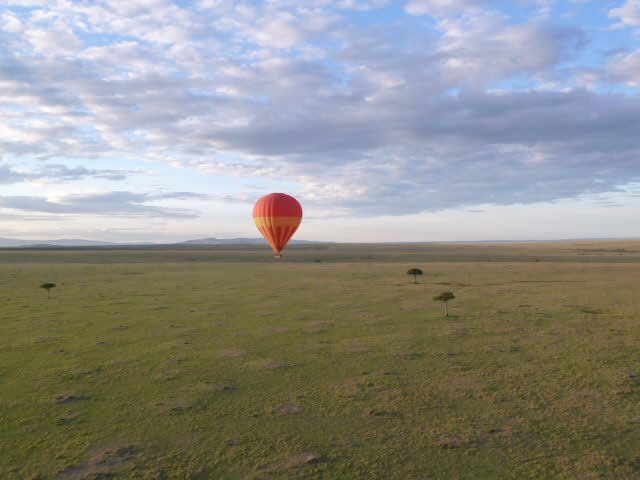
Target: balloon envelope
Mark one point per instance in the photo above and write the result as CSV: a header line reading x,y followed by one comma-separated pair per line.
x,y
277,216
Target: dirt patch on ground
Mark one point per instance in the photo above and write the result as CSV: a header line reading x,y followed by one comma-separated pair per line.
x,y
232,353
69,397
103,463
357,347
351,388
378,412
45,339
630,385
463,383
361,386
67,419
174,407
318,327
288,409
167,375
214,387
292,462
451,443
411,355
278,365
86,372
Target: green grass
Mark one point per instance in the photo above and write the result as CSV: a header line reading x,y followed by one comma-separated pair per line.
x,y
331,364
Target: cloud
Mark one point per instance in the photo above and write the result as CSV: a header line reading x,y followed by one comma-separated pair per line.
x,y
628,14
469,106
55,173
117,203
442,7
52,42
625,67
10,22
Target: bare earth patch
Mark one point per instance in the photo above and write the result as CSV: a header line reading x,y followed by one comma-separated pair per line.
x,y
167,375
377,412
289,409
232,353
357,347
411,355
67,419
69,397
293,462
174,406
319,327
44,339
102,464
214,387
278,365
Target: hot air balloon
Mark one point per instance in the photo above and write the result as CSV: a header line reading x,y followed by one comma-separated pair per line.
x,y
277,216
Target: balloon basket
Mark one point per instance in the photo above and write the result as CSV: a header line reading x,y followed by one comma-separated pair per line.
x,y
277,255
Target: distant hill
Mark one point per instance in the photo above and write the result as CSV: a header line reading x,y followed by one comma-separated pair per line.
x,y
10,242
221,241
236,241
70,242
78,242
62,242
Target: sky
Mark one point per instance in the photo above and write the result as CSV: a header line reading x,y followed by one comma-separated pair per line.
x,y
408,120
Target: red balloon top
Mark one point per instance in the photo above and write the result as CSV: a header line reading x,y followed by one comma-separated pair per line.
x,y
277,205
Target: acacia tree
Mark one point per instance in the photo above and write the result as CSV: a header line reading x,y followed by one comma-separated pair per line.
x,y
48,286
444,297
415,272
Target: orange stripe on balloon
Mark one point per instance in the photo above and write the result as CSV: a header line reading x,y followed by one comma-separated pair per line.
x,y
288,233
277,221
284,237
273,241
267,235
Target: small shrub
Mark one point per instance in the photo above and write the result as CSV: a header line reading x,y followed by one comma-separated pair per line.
x,y
48,287
444,297
415,272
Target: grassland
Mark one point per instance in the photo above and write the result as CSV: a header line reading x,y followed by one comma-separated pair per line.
x,y
223,363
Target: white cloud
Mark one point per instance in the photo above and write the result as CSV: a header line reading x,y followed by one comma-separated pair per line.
x,y
24,3
482,47
361,5
278,32
52,41
58,173
442,7
117,203
628,14
625,67
11,23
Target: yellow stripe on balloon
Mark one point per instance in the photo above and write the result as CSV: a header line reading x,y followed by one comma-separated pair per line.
x,y
270,222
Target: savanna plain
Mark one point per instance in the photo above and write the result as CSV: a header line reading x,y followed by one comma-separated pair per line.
x,y
225,363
